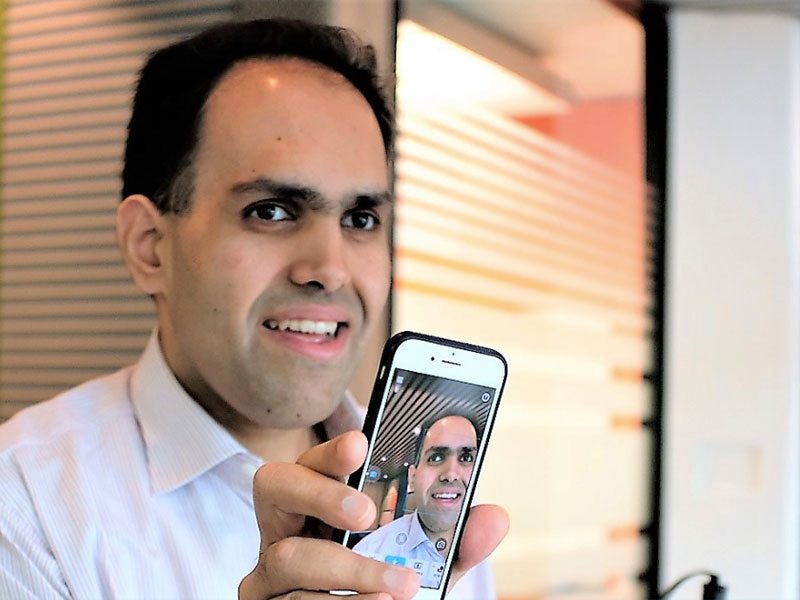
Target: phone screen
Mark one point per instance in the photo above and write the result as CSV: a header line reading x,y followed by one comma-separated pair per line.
x,y
420,469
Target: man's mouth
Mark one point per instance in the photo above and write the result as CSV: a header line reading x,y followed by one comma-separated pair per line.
x,y
447,496
327,328
319,333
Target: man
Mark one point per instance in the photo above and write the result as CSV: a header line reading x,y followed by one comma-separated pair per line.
x,y
446,449
254,213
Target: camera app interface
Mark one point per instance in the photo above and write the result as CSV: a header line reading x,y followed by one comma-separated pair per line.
x,y
419,470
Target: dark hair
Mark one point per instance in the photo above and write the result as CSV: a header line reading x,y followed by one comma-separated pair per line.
x,y
176,81
428,423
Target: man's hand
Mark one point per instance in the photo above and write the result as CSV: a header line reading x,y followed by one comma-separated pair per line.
x,y
285,495
485,528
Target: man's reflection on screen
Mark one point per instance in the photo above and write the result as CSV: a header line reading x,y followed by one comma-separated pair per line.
x,y
445,457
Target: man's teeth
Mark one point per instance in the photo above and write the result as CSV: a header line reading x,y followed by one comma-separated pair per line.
x,y
304,326
446,496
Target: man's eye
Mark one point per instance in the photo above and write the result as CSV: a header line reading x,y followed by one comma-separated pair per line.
x,y
266,211
360,220
435,458
467,457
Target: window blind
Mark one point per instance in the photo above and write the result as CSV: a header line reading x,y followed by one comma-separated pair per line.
x,y
68,310
509,238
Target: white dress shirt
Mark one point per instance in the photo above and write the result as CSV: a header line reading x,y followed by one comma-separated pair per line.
x,y
404,542
124,487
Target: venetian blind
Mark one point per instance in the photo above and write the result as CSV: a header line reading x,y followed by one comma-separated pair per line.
x,y
508,238
68,310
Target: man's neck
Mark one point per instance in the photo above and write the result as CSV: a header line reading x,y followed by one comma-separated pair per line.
x,y
434,537
282,445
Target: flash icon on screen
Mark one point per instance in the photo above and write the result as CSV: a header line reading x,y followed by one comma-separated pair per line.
x,y
486,396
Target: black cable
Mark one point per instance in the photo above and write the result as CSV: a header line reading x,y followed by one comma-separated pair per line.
x,y
712,590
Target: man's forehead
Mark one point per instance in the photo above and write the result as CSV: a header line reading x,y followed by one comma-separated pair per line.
x,y
286,90
273,72
282,120
453,430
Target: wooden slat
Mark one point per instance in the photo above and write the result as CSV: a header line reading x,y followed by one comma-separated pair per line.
x,y
76,69
39,223
102,134
540,249
83,102
520,196
52,205
71,258
114,116
67,241
581,196
108,290
74,342
114,82
36,57
446,194
74,359
57,39
65,172
57,378
114,324
77,308
49,273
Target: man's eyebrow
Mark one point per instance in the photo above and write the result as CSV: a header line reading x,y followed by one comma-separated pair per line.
x,y
373,200
271,187
449,450
307,195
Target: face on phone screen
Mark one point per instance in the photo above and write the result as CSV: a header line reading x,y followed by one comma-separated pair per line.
x,y
420,468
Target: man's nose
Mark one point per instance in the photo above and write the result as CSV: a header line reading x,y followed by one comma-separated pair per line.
x,y
451,470
320,259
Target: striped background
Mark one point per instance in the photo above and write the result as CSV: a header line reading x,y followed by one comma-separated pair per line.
x,y
69,310
510,238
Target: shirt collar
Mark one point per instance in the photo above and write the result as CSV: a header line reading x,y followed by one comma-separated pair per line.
x,y
182,440
417,535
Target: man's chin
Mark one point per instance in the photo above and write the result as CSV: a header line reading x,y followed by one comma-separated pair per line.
x,y
301,409
439,528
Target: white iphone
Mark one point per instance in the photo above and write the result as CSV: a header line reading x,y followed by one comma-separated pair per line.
x,y
428,426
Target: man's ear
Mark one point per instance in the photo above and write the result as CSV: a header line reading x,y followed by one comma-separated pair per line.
x,y
140,228
412,472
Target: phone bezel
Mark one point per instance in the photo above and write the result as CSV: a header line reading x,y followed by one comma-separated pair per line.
x,y
439,357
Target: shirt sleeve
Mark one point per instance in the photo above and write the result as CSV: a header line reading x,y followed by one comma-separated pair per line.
x,y
28,570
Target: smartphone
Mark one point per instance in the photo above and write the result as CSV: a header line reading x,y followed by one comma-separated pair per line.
x,y
428,424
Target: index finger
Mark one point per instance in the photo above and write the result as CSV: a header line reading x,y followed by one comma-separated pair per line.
x,y
285,494
338,457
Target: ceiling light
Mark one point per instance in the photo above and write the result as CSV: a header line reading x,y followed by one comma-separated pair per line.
x,y
434,69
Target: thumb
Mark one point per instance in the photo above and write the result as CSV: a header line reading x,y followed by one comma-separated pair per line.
x,y
485,528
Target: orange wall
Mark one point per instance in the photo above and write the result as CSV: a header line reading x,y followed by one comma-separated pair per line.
x,y
611,131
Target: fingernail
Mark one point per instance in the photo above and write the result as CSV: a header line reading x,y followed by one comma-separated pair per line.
x,y
354,506
396,579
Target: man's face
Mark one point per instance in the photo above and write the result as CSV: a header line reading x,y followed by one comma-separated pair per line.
x,y
281,266
445,467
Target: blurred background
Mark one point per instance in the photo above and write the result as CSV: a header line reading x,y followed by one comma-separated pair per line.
x,y
607,192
